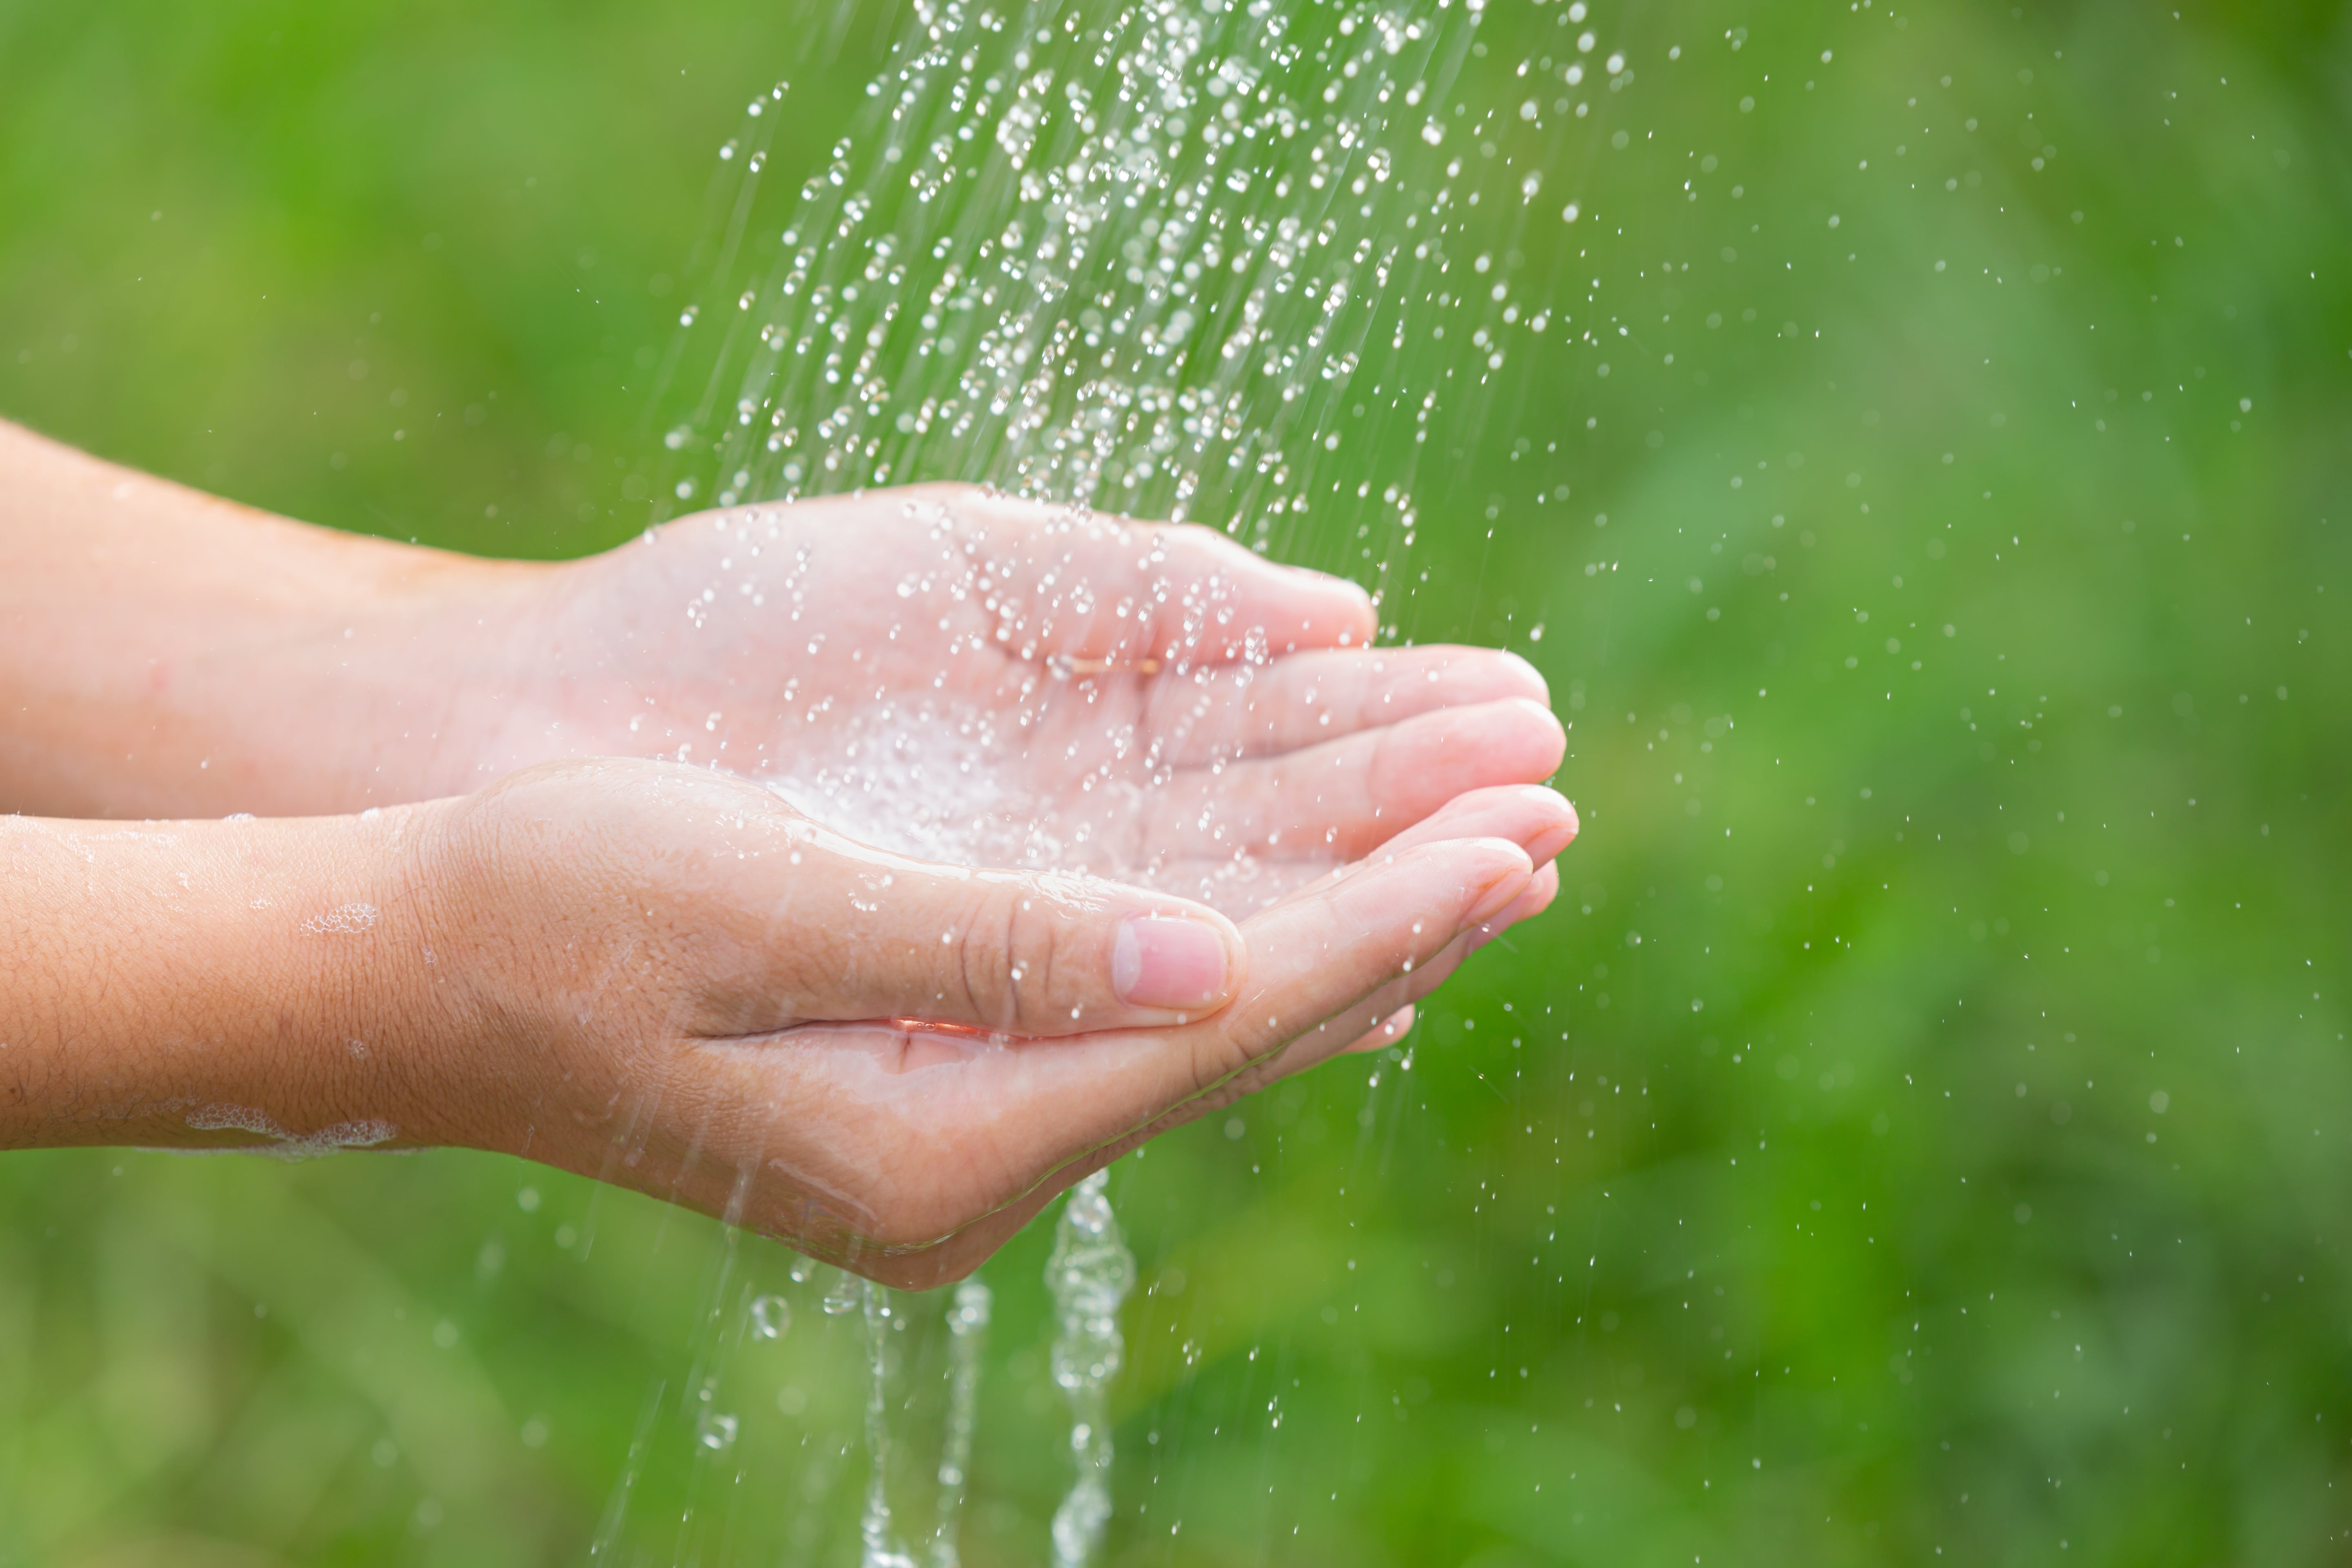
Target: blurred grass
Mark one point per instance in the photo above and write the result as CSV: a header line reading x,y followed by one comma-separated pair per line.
x,y
1924,1123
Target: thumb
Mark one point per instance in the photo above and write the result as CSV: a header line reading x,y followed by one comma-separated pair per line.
x,y
1018,952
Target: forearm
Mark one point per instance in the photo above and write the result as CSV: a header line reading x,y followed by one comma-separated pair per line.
x,y
204,984
164,652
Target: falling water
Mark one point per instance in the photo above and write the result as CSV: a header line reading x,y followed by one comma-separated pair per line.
x,y
874,1531
967,1325
968,1330
1078,262
771,1316
1090,1273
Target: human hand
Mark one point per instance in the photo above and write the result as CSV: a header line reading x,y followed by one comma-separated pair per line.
x,y
1174,732
1051,690
670,979
976,678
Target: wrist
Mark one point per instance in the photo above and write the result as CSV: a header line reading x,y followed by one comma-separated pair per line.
x,y
195,985
380,695
165,653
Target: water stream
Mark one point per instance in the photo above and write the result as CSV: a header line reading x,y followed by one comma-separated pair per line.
x,y
1090,1273
875,1530
968,1325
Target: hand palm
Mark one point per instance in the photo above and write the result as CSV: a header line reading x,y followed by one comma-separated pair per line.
x,y
987,681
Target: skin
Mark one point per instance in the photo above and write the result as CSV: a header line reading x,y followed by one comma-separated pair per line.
x,y
652,970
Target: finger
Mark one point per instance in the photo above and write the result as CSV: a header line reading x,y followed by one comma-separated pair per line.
x,y
1399,996
957,1254
855,933
1238,885
1080,585
1383,1016
1037,1115
1346,796
1234,886
1310,960
1221,713
1016,1139
1404,992
1316,957
1536,818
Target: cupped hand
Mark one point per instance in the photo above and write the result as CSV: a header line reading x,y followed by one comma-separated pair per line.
x,y
672,979
971,677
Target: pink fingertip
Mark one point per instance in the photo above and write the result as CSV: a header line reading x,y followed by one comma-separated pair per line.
x,y
1357,608
1177,965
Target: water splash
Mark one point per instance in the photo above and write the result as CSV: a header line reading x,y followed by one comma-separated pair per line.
x,y
291,1147
1090,1273
968,1330
948,783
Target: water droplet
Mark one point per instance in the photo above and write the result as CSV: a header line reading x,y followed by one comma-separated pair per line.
x,y
771,1317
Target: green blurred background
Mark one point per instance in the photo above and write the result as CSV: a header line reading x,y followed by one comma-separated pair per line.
x,y
1956,658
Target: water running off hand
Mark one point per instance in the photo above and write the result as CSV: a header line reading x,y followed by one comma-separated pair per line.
x,y
1089,1274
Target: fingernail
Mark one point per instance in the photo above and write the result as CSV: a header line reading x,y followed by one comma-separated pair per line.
x,y
1173,964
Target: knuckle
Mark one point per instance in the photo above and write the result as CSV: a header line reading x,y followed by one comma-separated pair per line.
x,y
1035,977
1008,961
975,960
1216,1061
